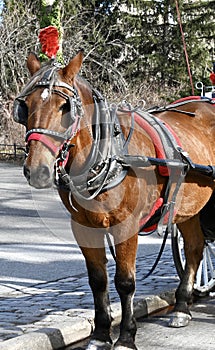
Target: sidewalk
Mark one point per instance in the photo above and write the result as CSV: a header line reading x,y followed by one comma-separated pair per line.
x,y
52,315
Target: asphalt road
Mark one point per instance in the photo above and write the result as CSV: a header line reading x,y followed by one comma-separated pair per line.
x,y
37,245
154,334
36,241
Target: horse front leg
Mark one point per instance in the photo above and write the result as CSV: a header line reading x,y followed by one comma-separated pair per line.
x,y
91,243
193,248
96,266
125,285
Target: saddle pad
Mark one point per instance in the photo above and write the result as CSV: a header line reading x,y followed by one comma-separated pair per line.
x,y
156,210
156,139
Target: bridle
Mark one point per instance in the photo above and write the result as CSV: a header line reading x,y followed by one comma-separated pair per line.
x,y
40,134
46,81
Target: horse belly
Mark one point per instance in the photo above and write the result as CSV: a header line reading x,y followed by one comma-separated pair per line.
x,y
192,197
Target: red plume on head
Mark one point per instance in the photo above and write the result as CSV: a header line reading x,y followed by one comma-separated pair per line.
x,y
48,37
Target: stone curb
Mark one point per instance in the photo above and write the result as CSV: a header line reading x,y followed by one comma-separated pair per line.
x,y
75,329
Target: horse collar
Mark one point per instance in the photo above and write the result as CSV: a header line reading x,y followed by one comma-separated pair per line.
x,y
101,171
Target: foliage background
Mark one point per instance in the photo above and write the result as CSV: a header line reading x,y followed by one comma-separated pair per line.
x,y
133,48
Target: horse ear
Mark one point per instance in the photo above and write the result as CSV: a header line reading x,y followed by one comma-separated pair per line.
x,y
74,65
33,63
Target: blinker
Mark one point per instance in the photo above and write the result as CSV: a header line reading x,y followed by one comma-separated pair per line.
x,y
20,111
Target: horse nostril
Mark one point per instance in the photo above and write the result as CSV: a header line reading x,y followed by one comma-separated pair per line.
x,y
39,177
26,172
43,173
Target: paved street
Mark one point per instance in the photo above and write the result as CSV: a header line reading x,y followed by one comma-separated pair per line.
x,y
37,244
153,332
35,233
43,276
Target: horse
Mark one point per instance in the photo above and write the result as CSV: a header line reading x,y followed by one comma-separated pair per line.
x,y
98,155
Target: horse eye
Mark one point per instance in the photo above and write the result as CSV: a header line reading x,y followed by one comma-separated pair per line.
x,y
65,107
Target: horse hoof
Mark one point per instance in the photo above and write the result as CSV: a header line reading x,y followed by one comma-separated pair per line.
x,y
99,345
125,347
122,347
179,319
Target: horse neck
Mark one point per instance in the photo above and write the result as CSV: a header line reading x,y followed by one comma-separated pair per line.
x,y
84,138
88,106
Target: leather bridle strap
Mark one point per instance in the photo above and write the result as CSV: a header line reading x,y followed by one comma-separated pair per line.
x,y
35,136
40,134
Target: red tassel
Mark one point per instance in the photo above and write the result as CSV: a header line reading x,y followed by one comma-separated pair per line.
x,y
212,78
48,37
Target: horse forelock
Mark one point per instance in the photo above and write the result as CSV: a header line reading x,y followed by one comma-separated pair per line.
x,y
50,75
40,76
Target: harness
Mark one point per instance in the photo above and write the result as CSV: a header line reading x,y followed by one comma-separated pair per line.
x,y
171,160
178,103
101,170
108,161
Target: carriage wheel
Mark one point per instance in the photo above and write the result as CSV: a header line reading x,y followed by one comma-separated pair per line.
x,y
205,278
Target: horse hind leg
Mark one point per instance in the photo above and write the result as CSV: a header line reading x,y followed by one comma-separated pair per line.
x,y
125,285
193,248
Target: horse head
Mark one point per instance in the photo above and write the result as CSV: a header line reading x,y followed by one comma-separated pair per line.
x,y
50,106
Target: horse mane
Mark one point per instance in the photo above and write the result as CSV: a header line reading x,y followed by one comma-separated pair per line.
x,y
83,83
85,88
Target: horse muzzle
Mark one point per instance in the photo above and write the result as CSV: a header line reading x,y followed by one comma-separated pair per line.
x,y
39,177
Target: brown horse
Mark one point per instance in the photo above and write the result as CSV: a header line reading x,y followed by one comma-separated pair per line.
x,y
74,136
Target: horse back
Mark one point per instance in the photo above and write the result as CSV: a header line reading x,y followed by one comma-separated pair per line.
x,y
197,132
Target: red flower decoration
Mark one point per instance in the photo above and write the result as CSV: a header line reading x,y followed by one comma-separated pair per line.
x,y
48,37
212,78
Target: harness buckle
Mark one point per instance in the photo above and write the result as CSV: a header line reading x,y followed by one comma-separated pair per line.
x,y
65,150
